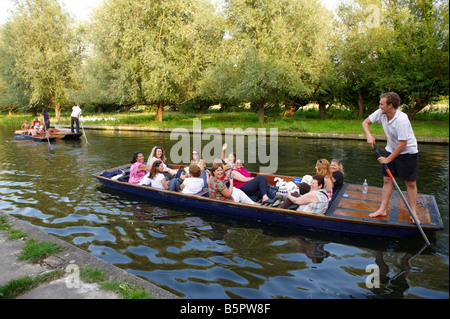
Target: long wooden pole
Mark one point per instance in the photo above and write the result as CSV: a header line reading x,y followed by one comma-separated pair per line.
x,y
403,197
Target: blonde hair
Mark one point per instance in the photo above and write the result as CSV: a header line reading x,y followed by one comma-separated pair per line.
x,y
324,169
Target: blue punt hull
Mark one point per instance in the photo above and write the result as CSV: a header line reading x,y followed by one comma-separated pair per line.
x,y
333,220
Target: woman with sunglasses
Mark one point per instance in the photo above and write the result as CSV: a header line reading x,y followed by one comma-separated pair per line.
x,y
252,186
337,169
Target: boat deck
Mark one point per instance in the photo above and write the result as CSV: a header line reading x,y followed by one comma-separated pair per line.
x,y
354,204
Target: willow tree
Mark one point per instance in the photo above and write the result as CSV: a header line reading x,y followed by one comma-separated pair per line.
x,y
40,41
397,46
155,50
276,51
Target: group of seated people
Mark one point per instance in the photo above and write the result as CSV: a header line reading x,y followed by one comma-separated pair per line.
x,y
231,181
32,129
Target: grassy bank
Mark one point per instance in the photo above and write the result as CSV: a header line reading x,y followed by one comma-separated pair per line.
x,y
431,125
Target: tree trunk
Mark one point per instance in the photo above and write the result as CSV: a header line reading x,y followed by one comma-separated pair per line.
x,y
159,112
360,104
419,104
322,109
57,108
261,114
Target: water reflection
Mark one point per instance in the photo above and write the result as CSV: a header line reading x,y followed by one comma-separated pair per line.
x,y
200,255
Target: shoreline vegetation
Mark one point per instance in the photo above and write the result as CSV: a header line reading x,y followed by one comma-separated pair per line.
x,y
431,126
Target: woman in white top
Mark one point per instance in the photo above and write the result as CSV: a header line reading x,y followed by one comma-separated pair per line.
x,y
156,177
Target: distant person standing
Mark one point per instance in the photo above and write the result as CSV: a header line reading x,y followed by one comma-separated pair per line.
x,y
401,152
46,119
74,118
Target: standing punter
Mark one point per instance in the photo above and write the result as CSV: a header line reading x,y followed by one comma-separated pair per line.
x,y
401,152
76,112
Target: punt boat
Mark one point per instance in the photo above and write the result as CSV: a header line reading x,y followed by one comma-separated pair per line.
x,y
348,212
54,135
41,137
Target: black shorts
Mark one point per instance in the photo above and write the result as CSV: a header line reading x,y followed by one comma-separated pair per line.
x,y
405,166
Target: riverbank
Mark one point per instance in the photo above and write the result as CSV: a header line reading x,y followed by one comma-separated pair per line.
x,y
342,125
348,136
59,269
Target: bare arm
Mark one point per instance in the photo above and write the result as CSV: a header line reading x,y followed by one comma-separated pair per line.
x,y
241,178
228,191
310,197
366,127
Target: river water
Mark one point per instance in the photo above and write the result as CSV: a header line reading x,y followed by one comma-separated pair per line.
x,y
198,255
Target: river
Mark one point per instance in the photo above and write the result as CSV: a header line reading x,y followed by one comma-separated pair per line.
x,y
198,255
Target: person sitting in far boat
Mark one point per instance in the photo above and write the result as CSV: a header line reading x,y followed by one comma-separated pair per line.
x,y
315,201
159,181
337,170
323,168
36,123
33,131
252,186
193,183
229,161
218,188
25,126
138,169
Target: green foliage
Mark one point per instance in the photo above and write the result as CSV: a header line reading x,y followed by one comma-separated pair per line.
x,y
399,46
19,286
41,54
190,55
35,251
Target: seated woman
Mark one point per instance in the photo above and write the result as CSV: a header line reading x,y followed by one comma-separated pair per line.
x,y
36,123
194,183
229,161
337,170
303,188
257,186
33,131
157,154
315,201
138,169
323,168
219,190
158,180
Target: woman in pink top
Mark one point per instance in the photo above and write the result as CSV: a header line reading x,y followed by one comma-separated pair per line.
x,y
138,169
252,186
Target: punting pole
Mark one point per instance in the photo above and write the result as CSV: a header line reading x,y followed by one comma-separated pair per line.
x,y
403,197
84,133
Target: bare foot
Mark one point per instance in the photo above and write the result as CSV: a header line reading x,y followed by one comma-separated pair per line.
x,y
378,213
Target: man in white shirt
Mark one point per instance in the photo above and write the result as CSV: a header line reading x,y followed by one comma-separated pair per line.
x,y
76,112
401,152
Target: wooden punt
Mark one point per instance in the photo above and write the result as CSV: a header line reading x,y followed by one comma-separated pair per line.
x,y
39,137
54,135
65,135
348,212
